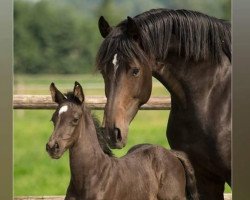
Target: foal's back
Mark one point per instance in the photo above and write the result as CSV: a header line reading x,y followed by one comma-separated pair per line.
x,y
150,172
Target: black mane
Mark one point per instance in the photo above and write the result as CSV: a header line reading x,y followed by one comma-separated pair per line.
x,y
199,37
104,145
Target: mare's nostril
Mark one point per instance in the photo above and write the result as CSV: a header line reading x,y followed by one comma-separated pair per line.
x,y
118,135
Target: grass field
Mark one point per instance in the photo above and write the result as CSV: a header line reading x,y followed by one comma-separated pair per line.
x,y
35,173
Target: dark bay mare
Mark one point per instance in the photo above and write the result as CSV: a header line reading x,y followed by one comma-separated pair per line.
x,y
147,172
190,54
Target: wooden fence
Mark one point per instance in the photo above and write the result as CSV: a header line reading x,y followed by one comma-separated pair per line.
x,y
94,102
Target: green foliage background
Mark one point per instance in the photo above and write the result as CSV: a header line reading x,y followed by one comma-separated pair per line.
x,y
62,37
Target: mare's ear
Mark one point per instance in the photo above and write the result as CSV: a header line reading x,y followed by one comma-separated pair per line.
x,y
104,27
132,29
56,95
78,92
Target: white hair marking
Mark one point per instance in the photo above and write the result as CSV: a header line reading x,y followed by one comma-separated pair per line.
x,y
63,109
115,63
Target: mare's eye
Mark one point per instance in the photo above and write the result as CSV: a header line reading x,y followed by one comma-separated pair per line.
x,y
135,71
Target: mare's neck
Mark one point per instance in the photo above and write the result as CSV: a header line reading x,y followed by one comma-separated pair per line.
x,y
191,85
86,153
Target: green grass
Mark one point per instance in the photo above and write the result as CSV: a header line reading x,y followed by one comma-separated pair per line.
x,y
35,173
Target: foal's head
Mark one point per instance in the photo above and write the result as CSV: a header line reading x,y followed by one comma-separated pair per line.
x,y
66,120
127,75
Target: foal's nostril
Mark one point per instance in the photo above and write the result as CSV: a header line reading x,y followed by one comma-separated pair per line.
x,y
52,146
118,135
56,146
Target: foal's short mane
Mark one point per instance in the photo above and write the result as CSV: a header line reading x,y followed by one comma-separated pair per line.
x,y
199,36
71,98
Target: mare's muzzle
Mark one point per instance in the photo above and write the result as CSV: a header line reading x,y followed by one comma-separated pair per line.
x,y
114,138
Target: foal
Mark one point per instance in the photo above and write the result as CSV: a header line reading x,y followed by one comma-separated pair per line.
x,y
147,172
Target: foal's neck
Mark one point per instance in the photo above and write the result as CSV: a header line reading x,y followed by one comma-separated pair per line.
x,y
86,153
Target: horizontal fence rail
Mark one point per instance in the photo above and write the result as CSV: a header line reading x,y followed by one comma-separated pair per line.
x,y
93,102
227,196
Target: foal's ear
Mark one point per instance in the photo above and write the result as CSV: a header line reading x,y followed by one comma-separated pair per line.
x,y
132,29
78,92
56,95
104,27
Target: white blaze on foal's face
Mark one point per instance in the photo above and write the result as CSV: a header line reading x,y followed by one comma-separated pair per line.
x,y
63,109
115,63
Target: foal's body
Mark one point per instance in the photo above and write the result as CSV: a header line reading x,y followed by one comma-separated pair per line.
x,y
140,175
147,172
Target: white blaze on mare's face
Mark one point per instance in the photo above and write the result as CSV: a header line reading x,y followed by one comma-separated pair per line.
x,y
115,63
63,109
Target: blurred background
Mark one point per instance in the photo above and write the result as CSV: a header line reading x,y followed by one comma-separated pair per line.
x,y
62,37
57,41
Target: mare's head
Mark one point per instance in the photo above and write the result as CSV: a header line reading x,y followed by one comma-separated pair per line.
x,y
66,118
168,44
127,75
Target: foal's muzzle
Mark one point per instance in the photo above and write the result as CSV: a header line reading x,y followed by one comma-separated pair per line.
x,y
53,149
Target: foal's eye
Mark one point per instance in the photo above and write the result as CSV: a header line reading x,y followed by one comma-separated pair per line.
x,y
135,71
75,120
